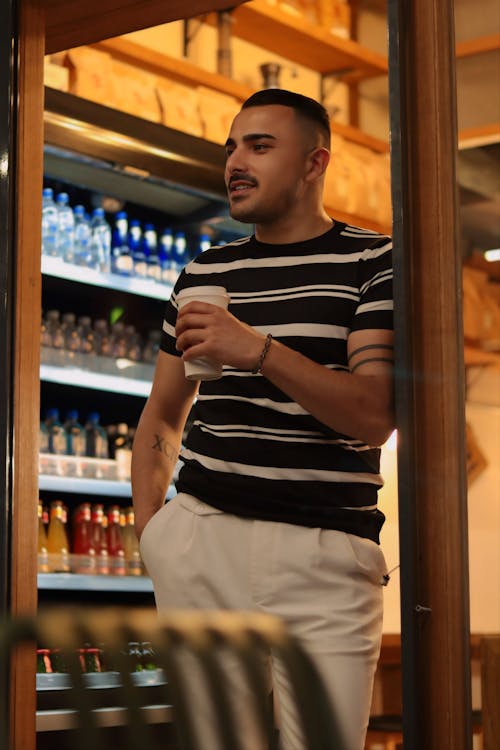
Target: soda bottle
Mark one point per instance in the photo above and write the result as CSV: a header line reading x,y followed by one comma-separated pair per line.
x,y
101,240
82,252
83,539
49,223
131,544
65,228
57,539
115,542
99,540
43,556
43,664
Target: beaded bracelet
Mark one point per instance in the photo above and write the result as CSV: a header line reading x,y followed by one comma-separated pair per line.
x,y
267,345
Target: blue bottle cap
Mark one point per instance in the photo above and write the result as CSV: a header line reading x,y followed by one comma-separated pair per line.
x,y
72,415
63,198
47,192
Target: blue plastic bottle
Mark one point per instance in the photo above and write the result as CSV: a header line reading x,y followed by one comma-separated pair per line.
x,y
57,433
121,260
75,434
96,439
179,252
150,242
49,223
137,249
101,240
65,228
165,256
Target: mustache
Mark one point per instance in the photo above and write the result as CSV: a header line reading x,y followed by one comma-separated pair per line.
x,y
241,176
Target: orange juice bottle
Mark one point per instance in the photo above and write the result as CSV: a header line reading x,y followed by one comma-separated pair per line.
x,y
43,555
57,538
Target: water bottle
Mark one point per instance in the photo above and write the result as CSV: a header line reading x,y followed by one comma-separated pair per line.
x,y
179,252
165,256
96,438
57,433
150,242
54,333
49,223
82,252
75,441
65,228
204,243
137,249
121,262
86,334
101,240
102,338
70,333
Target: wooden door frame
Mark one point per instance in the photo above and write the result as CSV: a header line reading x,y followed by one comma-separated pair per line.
x,y
430,387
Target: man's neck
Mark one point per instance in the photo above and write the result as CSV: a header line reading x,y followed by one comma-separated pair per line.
x,y
288,231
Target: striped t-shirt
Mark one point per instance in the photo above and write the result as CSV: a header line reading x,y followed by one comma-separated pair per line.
x,y
251,450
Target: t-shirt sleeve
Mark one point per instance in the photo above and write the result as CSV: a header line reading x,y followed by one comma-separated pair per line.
x,y
375,307
168,338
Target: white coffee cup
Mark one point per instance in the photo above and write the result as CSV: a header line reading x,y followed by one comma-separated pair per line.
x,y
203,368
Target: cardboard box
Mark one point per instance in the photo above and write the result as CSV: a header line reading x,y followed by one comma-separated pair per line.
x,y
134,91
90,74
179,107
217,112
55,76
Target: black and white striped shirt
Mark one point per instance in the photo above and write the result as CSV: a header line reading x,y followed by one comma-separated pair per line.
x,y
251,450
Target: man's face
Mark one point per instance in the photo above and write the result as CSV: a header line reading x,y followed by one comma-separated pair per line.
x,y
266,162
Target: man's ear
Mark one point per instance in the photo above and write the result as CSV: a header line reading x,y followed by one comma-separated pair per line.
x,y
318,161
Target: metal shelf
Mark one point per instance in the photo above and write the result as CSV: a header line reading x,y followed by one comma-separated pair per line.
x,y
141,287
95,372
79,582
61,719
84,486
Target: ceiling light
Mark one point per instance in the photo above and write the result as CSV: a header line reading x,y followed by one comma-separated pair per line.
x,y
492,255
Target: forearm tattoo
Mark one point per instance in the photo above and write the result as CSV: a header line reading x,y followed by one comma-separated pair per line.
x,y
370,359
369,346
165,448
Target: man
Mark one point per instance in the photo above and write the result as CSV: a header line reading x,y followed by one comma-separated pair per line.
x,y
276,508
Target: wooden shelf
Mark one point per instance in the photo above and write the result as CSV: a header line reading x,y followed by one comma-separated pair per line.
x,y
475,357
478,46
188,74
175,68
479,136
305,43
86,21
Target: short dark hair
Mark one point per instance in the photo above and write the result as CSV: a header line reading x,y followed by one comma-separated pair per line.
x,y
305,107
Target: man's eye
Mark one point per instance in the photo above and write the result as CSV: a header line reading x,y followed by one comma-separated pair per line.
x,y
260,146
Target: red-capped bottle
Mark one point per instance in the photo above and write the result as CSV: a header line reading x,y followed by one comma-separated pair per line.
x,y
83,546
116,548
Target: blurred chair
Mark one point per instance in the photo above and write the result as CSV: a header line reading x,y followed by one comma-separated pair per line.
x,y
207,639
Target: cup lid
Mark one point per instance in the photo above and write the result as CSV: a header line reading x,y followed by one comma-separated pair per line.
x,y
196,291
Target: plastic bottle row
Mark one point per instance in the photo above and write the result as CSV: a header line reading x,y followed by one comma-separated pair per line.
x,y
100,541
84,336
126,248
111,446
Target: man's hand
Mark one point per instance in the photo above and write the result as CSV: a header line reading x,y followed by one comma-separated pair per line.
x,y
205,330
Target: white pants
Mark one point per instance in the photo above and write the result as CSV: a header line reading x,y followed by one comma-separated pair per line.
x,y
326,585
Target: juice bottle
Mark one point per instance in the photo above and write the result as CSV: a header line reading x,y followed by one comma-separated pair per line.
x,y
115,542
43,555
82,540
99,541
131,544
57,539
